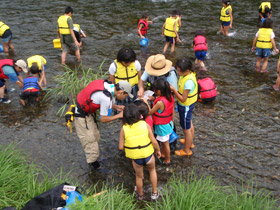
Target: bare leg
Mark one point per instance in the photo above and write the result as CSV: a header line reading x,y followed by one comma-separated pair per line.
x,y
202,66
139,177
258,64
188,139
2,90
222,30
173,46
265,62
166,151
6,47
10,45
22,102
153,173
166,47
78,56
192,131
226,30
63,57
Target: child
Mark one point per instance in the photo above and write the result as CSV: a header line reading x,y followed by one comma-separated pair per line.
x,y
31,86
127,68
186,96
38,63
6,36
276,86
200,49
162,113
226,17
169,31
264,41
207,90
144,111
79,33
265,10
143,26
137,139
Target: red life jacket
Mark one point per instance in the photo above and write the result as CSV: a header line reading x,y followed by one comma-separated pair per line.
x,y
200,43
149,121
166,116
207,88
83,99
5,62
143,29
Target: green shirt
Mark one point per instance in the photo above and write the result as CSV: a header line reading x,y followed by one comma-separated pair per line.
x,y
68,38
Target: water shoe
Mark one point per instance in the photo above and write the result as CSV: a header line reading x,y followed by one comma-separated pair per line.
x,y
5,101
274,87
154,196
182,153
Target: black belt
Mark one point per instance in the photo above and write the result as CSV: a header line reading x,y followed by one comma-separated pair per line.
x,y
138,147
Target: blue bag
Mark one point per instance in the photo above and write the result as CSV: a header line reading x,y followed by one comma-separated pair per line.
x,y
173,137
1,48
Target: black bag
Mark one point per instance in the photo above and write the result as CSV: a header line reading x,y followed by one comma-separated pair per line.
x,y
47,200
9,208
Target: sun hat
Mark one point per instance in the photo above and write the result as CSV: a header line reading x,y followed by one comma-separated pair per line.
x,y
126,87
21,64
157,65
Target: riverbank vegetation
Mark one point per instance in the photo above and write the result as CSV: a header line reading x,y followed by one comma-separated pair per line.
x,y
20,181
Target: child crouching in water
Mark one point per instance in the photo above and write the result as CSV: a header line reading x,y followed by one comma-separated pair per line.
x,y
31,86
162,113
138,141
187,96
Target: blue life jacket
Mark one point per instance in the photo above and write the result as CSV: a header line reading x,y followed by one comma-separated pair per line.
x,y
30,83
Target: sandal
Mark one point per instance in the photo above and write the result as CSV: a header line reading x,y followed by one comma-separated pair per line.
x,y
182,153
274,87
139,197
154,196
183,142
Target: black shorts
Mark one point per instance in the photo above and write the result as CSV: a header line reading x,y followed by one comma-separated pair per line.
x,y
27,94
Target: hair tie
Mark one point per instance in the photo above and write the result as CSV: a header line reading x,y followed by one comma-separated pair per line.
x,y
141,116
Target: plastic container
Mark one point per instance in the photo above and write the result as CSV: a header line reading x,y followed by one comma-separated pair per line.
x,y
1,48
71,197
144,42
173,137
56,43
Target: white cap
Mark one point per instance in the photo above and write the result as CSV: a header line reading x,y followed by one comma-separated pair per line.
x,y
21,64
125,85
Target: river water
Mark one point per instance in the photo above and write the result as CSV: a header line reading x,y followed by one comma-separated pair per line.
x,y
236,138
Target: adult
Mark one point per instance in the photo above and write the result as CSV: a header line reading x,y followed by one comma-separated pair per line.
x,y
157,67
97,95
10,69
67,35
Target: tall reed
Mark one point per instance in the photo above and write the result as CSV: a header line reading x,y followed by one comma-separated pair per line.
x,y
71,82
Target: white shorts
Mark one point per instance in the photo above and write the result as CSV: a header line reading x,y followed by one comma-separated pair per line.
x,y
163,138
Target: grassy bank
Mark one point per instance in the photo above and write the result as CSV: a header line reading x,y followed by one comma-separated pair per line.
x,y
20,181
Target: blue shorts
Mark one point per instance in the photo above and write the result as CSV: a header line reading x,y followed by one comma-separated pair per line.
x,y
225,23
185,113
6,40
263,53
143,161
200,54
2,82
170,39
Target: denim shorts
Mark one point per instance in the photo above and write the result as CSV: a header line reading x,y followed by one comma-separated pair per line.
x,y
185,113
225,23
263,53
169,39
6,40
200,54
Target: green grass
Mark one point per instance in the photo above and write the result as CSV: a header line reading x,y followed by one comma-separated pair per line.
x,y
19,180
71,82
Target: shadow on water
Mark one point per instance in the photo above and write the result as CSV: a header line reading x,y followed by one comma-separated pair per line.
x,y
236,138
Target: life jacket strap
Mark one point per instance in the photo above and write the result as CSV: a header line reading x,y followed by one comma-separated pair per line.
x,y
163,116
169,30
192,96
263,41
127,78
199,44
207,90
138,147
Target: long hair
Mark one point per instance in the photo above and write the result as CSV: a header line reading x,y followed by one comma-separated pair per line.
x,y
131,114
164,87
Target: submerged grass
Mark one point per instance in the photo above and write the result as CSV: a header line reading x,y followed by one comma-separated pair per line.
x,y
71,82
21,181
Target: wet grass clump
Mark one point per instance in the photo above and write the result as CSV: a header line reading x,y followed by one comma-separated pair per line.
x,y
71,82
20,180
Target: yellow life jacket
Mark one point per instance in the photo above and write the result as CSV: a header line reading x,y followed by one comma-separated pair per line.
x,y
224,16
177,26
36,59
263,4
63,25
3,28
137,142
128,73
169,27
77,26
264,39
192,97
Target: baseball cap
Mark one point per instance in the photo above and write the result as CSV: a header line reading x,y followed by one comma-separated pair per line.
x,y
21,64
126,87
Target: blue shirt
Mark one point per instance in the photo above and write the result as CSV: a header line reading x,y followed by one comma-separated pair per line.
x,y
10,72
172,78
189,85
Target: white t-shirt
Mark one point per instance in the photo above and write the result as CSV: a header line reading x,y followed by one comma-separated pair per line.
x,y
113,68
272,36
76,29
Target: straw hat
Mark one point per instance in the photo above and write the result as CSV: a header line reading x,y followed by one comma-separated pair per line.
x,y
157,65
